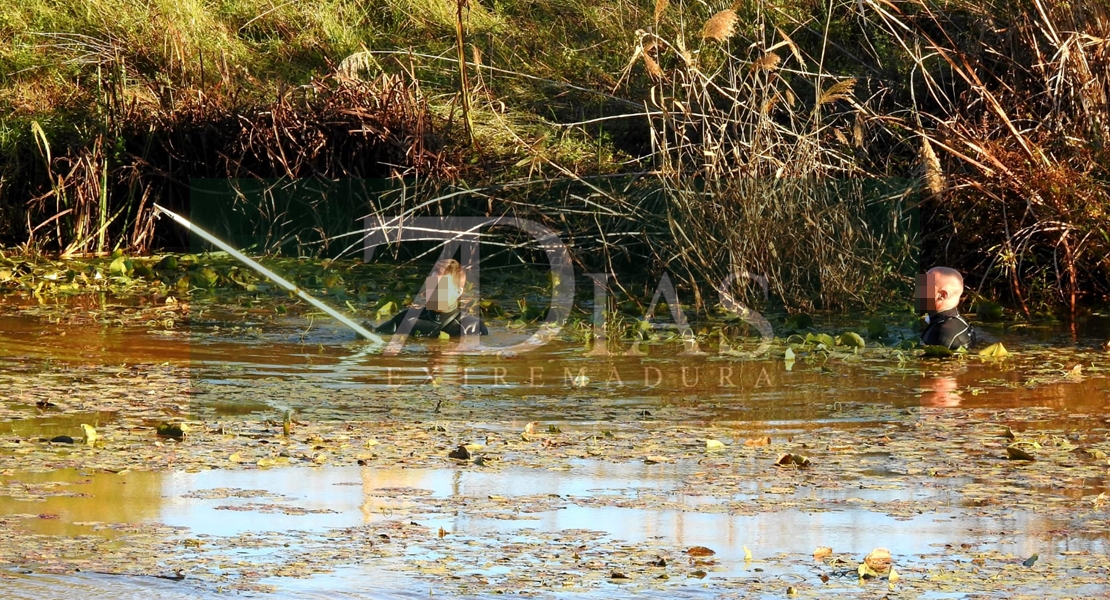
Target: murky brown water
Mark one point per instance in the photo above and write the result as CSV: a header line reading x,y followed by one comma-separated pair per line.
x,y
232,369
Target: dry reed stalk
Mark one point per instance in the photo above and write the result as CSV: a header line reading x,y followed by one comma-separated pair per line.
x,y
650,64
660,8
841,90
768,62
930,164
720,26
859,131
745,172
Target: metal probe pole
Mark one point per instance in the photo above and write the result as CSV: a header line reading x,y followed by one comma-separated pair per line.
x,y
359,329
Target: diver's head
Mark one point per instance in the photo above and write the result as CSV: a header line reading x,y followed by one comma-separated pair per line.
x,y
444,286
939,289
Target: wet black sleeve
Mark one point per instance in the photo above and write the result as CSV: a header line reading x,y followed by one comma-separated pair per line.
x,y
950,333
430,324
424,324
390,326
466,325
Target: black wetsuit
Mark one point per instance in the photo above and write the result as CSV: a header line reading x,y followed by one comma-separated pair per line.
x,y
430,323
949,329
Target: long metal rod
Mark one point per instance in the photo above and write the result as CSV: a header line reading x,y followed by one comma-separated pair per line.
x,y
359,329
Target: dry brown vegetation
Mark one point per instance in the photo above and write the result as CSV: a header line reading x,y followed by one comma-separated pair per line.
x,y
337,127
834,149
987,122
1016,103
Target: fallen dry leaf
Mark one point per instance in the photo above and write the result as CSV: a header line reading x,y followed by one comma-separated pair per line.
x,y
700,551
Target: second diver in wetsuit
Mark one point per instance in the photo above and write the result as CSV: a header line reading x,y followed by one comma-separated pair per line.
x,y
938,294
441,312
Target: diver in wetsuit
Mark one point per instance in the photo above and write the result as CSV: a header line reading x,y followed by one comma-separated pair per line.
x,y
441,312
938,294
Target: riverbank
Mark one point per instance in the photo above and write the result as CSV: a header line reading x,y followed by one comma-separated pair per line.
x,y
102,117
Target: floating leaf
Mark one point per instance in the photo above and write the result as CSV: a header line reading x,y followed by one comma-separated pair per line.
x,y
118,267
995,350
460,453
822,552
761,441
90,434
820,338
714,445
747,554
1015,453
796,460
851,339
172,430
938,351
877,563
788,356
386,310
1094,453
700,551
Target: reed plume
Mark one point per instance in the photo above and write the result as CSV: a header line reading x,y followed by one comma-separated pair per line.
x,y
720,26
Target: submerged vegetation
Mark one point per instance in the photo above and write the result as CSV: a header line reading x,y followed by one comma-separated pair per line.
x,y
825,149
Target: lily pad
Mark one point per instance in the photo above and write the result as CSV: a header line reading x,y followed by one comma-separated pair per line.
x,y
820,338
792,460
1016,453
700,551
938,351
851,339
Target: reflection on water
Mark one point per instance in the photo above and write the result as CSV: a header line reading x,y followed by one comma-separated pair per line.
x,y
227,503
67,502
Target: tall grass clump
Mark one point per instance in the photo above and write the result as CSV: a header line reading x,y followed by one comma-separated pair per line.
x,y
755,148
1013,99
